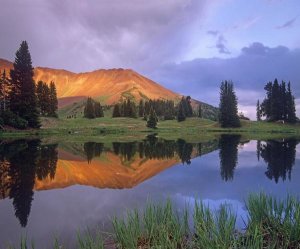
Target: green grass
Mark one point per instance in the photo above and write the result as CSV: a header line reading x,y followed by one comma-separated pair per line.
x,y
193,129
271,223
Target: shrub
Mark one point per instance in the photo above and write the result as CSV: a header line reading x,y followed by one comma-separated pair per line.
x,y
11,119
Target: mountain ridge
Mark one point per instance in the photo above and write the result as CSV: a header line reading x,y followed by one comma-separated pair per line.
x,y
108,86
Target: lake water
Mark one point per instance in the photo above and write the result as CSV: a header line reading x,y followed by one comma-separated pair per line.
x,y
53,190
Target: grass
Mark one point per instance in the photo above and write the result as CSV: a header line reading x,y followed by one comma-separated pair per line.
x,y
128,129
271,223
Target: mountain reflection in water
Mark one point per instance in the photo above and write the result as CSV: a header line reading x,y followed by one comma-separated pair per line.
x,y
28,165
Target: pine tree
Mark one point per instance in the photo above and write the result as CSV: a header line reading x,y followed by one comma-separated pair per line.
x,y
189,111
141,108
181,112
228,111
98,110
53,100
43,98
116,111
39,95
22,96
266,108
291,110
275,102
199,111
152,120
127,108
132,110
89,111
258,115
279,103
4,90
283,101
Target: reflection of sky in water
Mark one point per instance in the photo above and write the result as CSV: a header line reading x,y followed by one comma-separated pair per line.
x,y
238,208
63,211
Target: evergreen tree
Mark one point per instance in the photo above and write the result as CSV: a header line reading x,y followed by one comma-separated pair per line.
x,y
266,108
39,94
258,115
275,102
290,107
43,98
282,101
127,108
181,112
279,103
53,100
152,120
89,111
132,110
228,111
22,96
4,89
116,111
189,109
141,108
199,111
98,110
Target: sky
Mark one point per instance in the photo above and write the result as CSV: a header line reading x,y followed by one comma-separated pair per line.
x,y
188,46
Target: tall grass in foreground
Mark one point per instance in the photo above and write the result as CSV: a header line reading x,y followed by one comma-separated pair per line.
x,y
159,227
271,224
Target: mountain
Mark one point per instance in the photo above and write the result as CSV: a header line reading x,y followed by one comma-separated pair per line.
x,y
107,170
111,84
108,86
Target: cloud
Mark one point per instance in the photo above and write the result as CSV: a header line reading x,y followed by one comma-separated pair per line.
x,y
220,45
85,35
213,32
248,23
258,48
250,71
288,24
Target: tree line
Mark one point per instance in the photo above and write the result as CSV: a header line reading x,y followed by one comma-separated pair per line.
x,y
21,101
150,148
278,105
154,110
126,108
93,109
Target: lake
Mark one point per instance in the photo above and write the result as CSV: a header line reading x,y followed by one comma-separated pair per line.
x,y
52,190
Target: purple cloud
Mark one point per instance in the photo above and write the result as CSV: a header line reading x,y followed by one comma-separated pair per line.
x,y
250,71
288,24
213,32
220,45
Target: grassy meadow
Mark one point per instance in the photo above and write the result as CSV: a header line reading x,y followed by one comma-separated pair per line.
x,y
128,129
191,129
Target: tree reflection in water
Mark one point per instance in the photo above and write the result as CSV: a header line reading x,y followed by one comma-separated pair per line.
x,y
228,154
22,161
279,156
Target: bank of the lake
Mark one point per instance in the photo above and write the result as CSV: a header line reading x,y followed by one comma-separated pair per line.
x,y
130,128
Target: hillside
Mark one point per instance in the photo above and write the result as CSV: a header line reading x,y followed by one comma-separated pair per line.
x,y
111,84
108,86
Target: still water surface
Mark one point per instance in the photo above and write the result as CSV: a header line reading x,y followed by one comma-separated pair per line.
x,y
53,190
